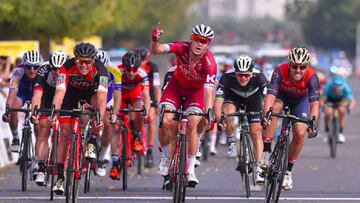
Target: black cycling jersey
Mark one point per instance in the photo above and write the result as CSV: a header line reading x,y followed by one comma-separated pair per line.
x,y
249,96
45,81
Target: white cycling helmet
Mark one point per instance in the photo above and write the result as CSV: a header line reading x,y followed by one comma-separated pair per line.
x,y
299,56
32,58
243,63
57,59
203,31
103,56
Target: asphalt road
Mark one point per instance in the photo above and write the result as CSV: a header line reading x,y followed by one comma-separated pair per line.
x,y
317,177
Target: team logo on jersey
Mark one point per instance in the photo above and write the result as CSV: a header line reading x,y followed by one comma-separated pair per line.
x,y
219,91
61,79
210,79
103,81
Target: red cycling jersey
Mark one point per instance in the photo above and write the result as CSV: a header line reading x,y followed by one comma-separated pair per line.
x,y
130,85
281,82
69,74
202,75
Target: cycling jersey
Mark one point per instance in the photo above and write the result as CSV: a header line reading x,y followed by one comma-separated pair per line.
x,y
20,82
152,72
249,96
45,81
115,78
97,78
307,87
330,94
202,75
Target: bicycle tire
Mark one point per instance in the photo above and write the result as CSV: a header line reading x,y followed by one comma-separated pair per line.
x,y
53,160
252,162
139,162
245,162
333,137
278,169
180,173
75,186
24,157
87,176
205,145
124,159
69,171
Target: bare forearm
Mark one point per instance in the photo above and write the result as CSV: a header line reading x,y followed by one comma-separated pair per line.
x,y
58,98
101,102
157,93
208,98
269,102
217,108
11,97
117,101
146,96
157,48
36,99
314,109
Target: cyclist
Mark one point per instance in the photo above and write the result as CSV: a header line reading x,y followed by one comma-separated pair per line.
x,y
113,99
337,91
154,82
135,91
193,79
21,90
80,78
293,84
44,90
242,87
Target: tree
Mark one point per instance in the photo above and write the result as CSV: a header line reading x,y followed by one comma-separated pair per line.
x,y
329,23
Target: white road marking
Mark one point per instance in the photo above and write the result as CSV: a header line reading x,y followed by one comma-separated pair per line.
x,y
190,198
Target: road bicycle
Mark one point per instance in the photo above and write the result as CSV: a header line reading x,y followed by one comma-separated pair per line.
x,y
279,157
27,153
247,162
178,163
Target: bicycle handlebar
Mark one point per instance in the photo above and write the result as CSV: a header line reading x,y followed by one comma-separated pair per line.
x,y
239,113
183,113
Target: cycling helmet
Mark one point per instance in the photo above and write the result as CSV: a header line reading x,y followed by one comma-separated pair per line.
x,y
131,60
144,53
32,58
57,59
338,82
103,56
85,50
203,31
299,56
243,63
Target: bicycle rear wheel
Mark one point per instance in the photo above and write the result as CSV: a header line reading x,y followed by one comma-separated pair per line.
x,y
70,171
87,176
51,168
139,162
124,158
333,137
24,159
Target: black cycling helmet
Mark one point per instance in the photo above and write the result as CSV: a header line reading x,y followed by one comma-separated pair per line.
x,y
85,50
131,59
143,52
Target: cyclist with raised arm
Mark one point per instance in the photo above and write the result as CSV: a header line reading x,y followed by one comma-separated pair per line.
x,y
194,79
337,91
154,82
294,84
114,100
21,90
135,92
80,78
242,87
44,90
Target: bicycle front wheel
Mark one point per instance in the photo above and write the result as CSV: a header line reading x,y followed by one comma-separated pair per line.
x,y
24,158
51,168
87,176
125,156
70,171
333,137
245,161
180,184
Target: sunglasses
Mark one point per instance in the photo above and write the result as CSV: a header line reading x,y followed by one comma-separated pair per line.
x,y
29,67
131,70
295,67
200,39
86,61
243,75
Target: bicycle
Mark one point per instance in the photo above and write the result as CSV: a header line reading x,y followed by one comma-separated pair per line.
x,y
50,162
75,152
125,156
26,154
247,161
178,163
334,131
279,157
